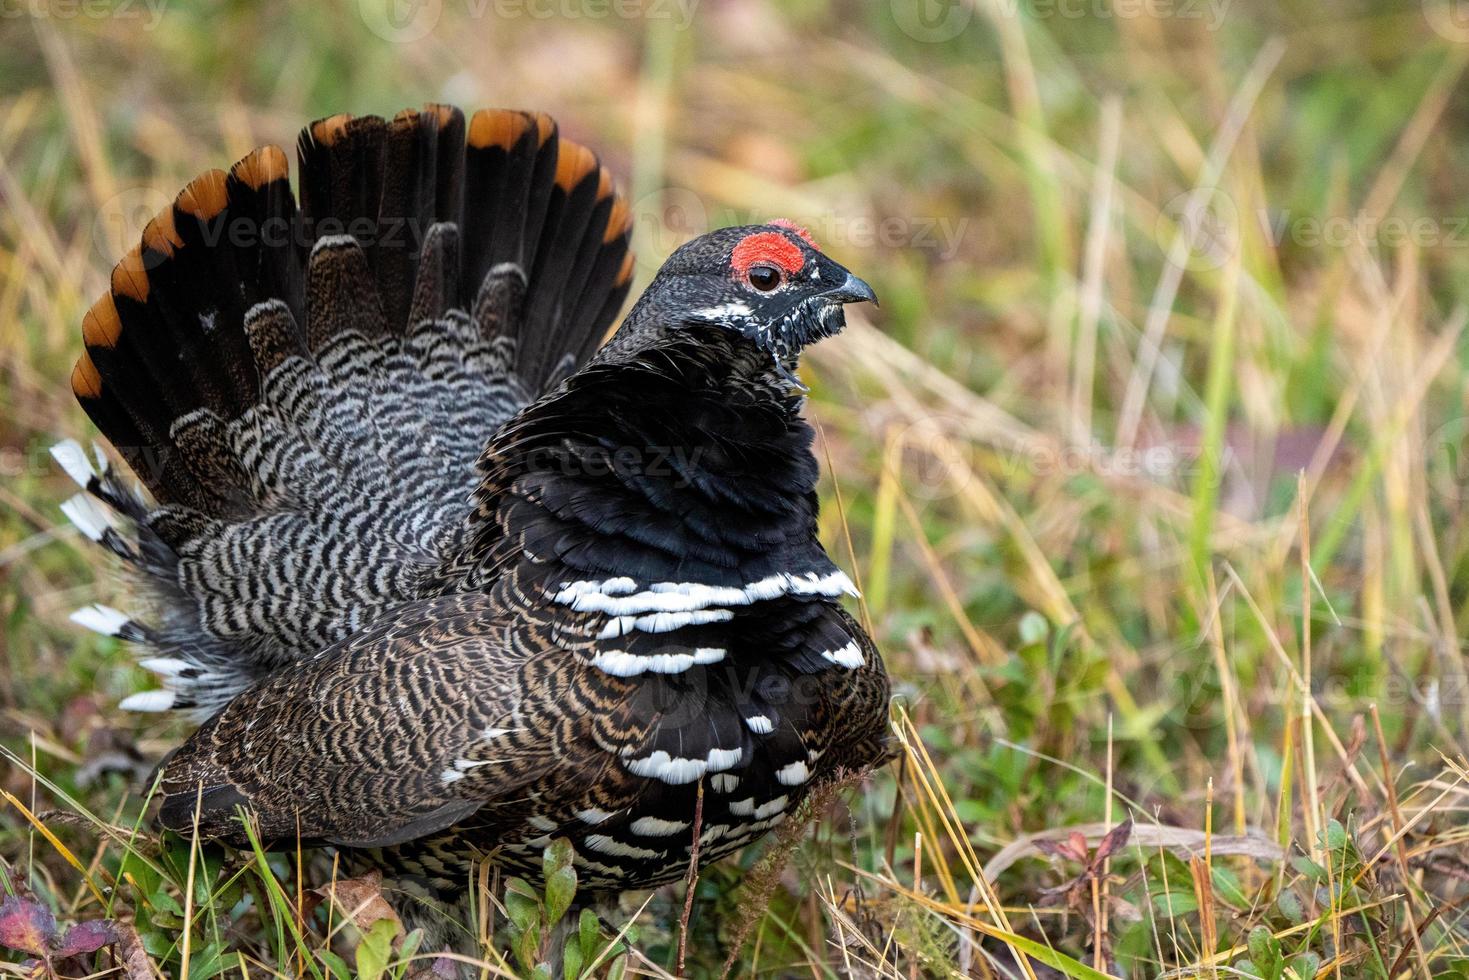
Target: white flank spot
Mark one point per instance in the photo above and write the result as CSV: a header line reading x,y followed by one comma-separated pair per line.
x,y
725,783
713,833
661,622
165,666
616,848
90,517
848,656
721,759
100,619
743,808
616,597
592,816
661,765
147,701
766,810
793,775
101,455
620,663
544,824
450,776
657,827
760,724
490,733
676,770
70,457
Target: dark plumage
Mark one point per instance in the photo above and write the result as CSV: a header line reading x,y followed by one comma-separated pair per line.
x,y
437,585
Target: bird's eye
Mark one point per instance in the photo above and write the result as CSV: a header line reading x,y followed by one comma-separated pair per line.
x,y
764,277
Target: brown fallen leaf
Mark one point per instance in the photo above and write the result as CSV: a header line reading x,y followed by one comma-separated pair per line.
x,y
134,958
360,900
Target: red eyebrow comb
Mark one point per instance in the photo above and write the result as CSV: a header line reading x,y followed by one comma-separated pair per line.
x,y
767,246
797,230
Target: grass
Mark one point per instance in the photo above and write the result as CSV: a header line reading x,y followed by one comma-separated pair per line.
x,y
1151,464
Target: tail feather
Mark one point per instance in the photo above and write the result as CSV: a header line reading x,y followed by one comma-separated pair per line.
x,y
305,390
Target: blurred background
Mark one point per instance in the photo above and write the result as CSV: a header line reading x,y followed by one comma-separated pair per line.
x,y
1151,465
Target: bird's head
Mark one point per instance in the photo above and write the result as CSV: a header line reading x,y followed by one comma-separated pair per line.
x,y
768,283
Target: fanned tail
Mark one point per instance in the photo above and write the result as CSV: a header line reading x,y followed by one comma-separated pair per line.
x,y
305,390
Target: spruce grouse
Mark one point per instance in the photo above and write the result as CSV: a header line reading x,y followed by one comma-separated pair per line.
x,y
441,579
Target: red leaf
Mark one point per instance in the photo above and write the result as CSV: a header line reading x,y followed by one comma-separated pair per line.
x,y
87,937
1115,841
26,926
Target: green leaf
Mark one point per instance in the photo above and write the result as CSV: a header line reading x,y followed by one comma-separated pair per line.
x,y
1265,951
1310,869
1175,904
1290,906
335,965
1228,888
1033,628
1305,965
375,949
556,856
560,890
522,905
406,949
526,948
571,961
590,934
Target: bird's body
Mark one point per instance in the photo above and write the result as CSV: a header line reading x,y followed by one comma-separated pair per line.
x,y
439,587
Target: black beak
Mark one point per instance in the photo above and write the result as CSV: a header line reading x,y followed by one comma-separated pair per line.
x,y
854,290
